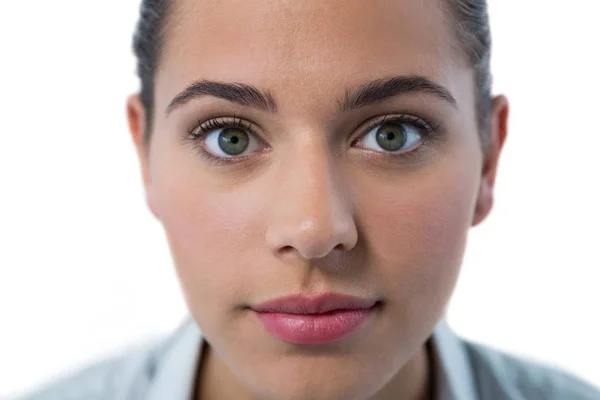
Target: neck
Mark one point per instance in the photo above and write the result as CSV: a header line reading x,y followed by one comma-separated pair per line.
x,y
414,381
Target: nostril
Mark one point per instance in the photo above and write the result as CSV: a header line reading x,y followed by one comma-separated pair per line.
x,y
286,249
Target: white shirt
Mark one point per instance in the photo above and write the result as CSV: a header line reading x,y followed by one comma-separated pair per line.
x,y
463,371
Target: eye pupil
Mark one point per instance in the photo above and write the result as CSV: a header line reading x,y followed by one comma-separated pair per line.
x,y
391,137
233,141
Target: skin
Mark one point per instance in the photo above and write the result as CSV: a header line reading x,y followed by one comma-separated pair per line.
x,y
314,210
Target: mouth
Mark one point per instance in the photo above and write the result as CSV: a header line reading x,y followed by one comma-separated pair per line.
x,y
324,319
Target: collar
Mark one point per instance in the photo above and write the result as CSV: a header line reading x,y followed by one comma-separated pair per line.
x,y
453,375
177,363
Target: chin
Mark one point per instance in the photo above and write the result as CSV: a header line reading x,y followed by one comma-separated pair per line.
x,y
318,377
338,388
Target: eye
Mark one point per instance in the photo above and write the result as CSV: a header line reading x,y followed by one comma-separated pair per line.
x,y
230,142
393,136
226,139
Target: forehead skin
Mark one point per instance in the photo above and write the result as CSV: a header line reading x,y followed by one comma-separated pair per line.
x,y
303,56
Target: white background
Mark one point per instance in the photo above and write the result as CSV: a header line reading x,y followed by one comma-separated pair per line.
x,y
85,269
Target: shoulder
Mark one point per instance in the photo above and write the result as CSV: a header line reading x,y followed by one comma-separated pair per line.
x,y
517,378
159,369
119,377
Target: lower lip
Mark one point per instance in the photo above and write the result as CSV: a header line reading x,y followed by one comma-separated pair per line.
x,y
314,328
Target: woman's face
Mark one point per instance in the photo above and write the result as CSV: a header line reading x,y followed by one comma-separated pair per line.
x,y
316,187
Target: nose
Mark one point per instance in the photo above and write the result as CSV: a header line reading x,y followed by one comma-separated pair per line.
x,y
312,212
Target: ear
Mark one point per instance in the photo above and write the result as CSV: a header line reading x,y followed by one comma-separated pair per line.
x,y
498,131
136,117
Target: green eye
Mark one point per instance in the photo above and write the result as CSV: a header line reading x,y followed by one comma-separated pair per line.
x,y
391,137
225,138
233,141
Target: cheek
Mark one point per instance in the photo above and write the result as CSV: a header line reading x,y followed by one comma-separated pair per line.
x,y
210,233
417,234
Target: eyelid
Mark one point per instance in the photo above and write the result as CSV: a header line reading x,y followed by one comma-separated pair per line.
x,y
212,124
426,129
220,122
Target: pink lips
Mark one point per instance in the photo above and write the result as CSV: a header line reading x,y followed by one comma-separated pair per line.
x,y
314,320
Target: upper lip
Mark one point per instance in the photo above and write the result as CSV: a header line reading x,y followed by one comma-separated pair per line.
x,y
301,304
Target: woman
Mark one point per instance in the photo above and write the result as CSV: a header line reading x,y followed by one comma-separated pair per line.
x,y
316,166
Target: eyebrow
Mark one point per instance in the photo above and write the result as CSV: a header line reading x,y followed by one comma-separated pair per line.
x,y
241,93
382,89
369,93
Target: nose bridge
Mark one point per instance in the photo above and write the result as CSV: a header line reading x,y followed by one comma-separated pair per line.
x,y
313,212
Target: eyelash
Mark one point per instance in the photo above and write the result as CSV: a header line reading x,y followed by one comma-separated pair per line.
x,y
219,123
426,130
213,124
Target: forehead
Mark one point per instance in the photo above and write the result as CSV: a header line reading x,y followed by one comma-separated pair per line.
x,y
315,48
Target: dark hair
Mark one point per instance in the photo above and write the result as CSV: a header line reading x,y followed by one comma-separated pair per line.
x,y
472,28
148,41
469,17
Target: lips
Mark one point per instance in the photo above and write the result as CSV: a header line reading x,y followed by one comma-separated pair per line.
x,y
299,304
303,320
